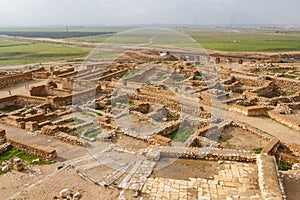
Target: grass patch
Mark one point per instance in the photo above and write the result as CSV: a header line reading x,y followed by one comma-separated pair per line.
x,y
88,114
93,134
99,108
257,150
13,152
181,135
77,122
283,166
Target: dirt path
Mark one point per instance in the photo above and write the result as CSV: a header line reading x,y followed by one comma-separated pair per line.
x,y
65,151
265,124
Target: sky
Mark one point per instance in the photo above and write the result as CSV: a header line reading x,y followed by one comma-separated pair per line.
x,y
131,12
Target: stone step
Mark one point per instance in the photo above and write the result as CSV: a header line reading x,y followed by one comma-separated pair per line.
x,y
124,183
139,177
94,165
115,175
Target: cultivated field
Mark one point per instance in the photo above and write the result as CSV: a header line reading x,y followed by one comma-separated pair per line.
x,y
14,52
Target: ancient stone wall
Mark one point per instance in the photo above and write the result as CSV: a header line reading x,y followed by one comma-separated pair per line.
x,y
207,154
249,110
45,91
288,85
21,101
14,79
33,149
294,124
268,178
249,81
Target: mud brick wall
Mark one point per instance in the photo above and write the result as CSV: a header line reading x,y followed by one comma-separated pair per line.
x,y
14,79
33,149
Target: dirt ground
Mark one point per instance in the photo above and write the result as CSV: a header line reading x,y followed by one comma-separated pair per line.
x,y
237,138
183,169
48,184
291,183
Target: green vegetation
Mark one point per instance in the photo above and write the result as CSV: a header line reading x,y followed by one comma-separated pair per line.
x,y
91,39
181,135
99,107
131,103
9,109
12,52
247,40
88,114
93,134
283,166
77,122
257,150
13,152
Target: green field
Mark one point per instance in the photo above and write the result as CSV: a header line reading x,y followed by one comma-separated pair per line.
x,y
13,52
16,52
91,39
247,41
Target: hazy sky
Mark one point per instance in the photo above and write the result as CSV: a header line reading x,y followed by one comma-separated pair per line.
x,y
120,12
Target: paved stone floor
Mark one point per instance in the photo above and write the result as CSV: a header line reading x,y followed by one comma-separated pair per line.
x,y
236,181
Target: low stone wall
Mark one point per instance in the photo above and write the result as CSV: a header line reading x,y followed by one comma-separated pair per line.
x,y
268,178
60,133
271,148
284,120
249,110
295,148
288,85
251,129
249,80
14,79
21,100
45,91
207,154
33,149
68,138
159,140
41,75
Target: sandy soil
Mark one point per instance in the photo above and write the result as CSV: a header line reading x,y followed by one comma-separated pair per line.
x,y
291,182
237,138
50,186
183,169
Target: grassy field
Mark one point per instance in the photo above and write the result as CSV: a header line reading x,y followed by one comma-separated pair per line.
x,y
91,39
246,41
13,52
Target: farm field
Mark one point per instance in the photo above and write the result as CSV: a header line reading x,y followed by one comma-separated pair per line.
x,y
247,41
14,52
